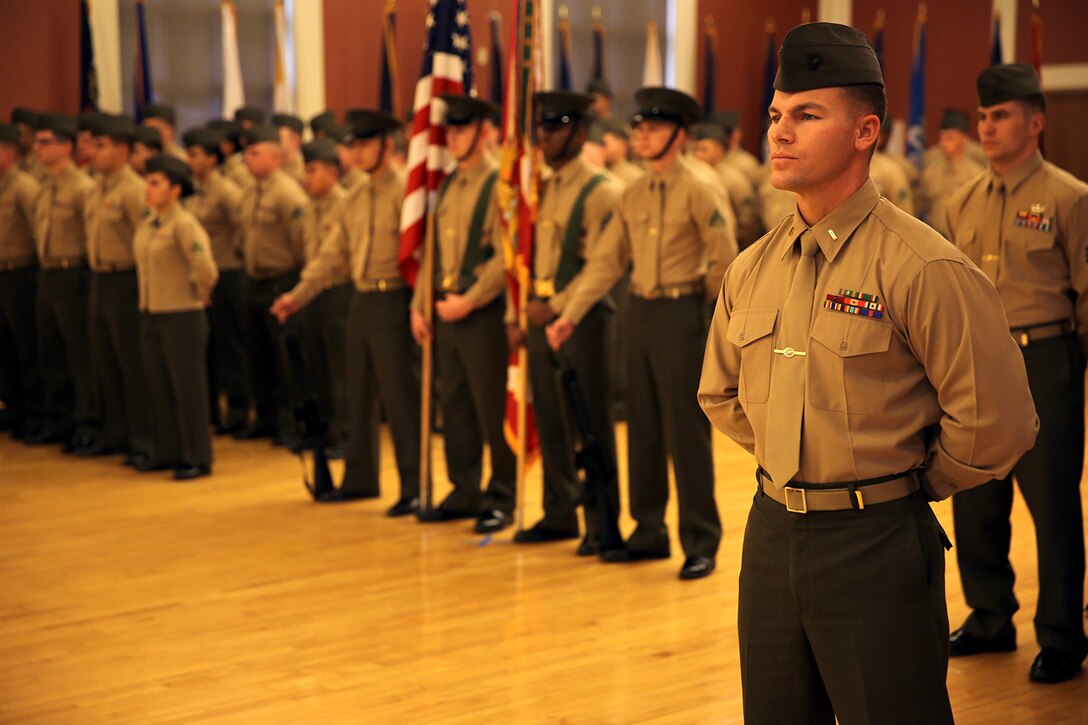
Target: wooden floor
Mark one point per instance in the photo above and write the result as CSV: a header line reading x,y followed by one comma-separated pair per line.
x,y
128,597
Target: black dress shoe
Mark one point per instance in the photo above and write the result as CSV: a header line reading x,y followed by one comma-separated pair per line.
x,y
590,546
405,506
539,534
1054,665
442,513
962,643
147,464
45,436
77,442
697,567
335,453
339,495
97,449
228,428
187,473
491,521
254,432
625,555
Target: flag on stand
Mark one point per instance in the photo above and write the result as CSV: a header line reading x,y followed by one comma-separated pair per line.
x,y
141,76
997,55
497,65
518,196
916,128
1037,38
390,80
599,73
234,93
770,69
283,101
564,83
878,39
653,73
447,68
88,74
710,61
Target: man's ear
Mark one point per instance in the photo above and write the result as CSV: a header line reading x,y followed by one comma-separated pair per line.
x,y
868,133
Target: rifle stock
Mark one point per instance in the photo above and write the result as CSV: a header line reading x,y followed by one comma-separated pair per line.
x,y
311,423
595,464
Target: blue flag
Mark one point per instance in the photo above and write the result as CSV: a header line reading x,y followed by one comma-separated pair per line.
x,y
141,76
878,40
916,128
997,55
88,75
563,82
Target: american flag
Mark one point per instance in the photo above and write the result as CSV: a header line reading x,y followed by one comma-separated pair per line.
x,y
447,69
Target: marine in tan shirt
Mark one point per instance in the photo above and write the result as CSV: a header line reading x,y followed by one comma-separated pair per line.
x,y
891,182
379,343
679,237
578,229
216,204
469,335
27,121
291,128
176,273
116,209
1024,222
945,172
18,288
163,118
710,148
60,216
864,362
273,217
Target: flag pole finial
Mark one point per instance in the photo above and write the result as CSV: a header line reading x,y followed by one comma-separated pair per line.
x,y
564,13
595,14
768,27
879,24
806,16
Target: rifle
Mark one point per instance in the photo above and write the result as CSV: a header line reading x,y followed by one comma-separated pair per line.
x,y
596,466
312,425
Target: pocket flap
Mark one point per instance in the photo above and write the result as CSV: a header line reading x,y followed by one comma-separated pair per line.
x,y
747,326
850,335
1032,240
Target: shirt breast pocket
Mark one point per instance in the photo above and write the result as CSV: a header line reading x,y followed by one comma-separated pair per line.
x,y
750,330
846,365
1031,240
267,217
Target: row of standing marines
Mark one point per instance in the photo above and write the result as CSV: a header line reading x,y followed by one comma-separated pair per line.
x,y
897,402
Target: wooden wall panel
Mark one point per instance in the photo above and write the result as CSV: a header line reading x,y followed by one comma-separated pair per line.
x,y
40,68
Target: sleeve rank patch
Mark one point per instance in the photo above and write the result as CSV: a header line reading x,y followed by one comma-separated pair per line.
x,y
604,222
716,220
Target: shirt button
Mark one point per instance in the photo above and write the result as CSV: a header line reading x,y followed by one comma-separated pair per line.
x,y
842,346
742,337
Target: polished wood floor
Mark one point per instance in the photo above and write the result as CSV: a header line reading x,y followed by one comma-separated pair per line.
x,y
128,597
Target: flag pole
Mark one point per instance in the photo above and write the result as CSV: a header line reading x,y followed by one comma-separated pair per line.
x,y
426,278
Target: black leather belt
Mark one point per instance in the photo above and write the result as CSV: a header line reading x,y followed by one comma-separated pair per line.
x,y
10,265
1024,336
64,262
801,498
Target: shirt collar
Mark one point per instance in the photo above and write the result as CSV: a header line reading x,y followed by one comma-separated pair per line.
x,y
484,165
1019,173
669,176
164,218
569,172
835,228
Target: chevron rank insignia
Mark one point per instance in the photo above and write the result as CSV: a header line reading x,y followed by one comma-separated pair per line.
x,y
855,303
1035,218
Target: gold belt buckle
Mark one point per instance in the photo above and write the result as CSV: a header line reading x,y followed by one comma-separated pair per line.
x,y
449,283
382,285
1025,339
796,492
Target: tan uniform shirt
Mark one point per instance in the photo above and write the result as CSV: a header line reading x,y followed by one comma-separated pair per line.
x,y
600,241
30,165
274,219
676,231
626,172
747,164
327,261
117,208
453,220
940,179
18,191
234,168
174,266
934,380
742,197
216,204
367,233
60,216
350,178
891,182
1034,250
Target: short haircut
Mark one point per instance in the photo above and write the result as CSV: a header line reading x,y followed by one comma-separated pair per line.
x,y
869,98
1035,104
